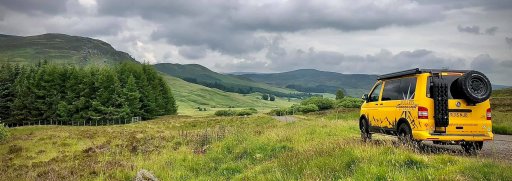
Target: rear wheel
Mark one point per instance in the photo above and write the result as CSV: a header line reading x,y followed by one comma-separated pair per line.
x,y
365,131
472,148
404,134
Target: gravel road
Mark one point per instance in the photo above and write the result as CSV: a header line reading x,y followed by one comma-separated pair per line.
x,y
500,148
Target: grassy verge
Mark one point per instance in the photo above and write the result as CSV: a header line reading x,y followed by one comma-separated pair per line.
x,y
502,122
322,146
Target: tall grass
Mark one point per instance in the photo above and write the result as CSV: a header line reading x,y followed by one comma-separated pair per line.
x,y
322,146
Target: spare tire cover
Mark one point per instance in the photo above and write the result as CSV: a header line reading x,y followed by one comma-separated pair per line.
x,y
474,86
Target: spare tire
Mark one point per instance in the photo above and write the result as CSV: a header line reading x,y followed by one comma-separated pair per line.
x,y
473,86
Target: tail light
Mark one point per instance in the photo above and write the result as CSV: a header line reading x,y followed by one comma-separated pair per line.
x,y
488,114
422,112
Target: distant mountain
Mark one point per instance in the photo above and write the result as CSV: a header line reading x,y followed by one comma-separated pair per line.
x,y
241,73
311,80
199,74
59,48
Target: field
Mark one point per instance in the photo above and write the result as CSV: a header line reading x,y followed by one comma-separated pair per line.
x,y
190,96
321,146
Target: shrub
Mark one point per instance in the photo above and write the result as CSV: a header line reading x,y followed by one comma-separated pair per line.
x,y
320,102
272,98
225,113
4,133
243,112
308,108
349,102
279,112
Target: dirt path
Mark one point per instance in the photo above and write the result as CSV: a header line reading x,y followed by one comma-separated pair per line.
x,y
285,118
499,149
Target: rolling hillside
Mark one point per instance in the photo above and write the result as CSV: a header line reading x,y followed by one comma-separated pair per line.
x,y
59,48
198,74
311,80
189,96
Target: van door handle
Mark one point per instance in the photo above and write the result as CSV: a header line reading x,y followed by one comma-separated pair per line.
x,y
381,104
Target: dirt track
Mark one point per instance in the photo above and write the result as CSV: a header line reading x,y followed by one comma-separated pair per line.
x,y
500,148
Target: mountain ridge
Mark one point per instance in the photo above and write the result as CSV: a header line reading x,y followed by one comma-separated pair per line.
x,y
59,48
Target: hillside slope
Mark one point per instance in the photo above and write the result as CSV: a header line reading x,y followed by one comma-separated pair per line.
x,y
198,74
190,96
311,80
59,48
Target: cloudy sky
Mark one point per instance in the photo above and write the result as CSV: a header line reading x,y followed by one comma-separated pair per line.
x,y
358,36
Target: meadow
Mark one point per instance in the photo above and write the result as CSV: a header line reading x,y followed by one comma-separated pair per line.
x,y
317,146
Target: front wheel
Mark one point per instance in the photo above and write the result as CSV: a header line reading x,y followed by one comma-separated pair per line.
x,y
365,131
404,134
472,148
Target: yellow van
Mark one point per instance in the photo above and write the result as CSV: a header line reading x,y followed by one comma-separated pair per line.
x,y
443,106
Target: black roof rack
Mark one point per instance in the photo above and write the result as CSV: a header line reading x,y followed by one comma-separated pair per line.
x,y
416,71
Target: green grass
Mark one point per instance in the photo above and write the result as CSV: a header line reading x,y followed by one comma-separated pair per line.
x,y
319,146
502,122
190,96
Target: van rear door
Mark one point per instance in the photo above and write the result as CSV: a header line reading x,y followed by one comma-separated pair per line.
x,y
464,118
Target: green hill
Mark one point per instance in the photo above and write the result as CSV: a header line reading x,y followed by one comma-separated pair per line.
x,y
59,48
198,74
311,80
189,96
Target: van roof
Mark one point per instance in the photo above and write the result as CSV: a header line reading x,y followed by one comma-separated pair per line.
x,y
416,71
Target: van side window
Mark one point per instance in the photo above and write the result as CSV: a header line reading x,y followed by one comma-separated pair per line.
x,y
374,96
408,88
391,90
399,89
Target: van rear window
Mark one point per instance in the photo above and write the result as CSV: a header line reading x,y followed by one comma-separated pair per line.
x,y
449,80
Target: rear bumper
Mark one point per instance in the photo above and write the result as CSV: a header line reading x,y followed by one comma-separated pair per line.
x,y
426,136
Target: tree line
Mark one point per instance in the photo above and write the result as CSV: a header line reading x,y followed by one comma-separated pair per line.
x,y
48,92
242,89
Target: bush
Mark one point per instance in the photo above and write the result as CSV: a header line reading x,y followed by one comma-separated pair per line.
x,y
243,112
349,102
225,113
4,133
308,108
320,102
279,112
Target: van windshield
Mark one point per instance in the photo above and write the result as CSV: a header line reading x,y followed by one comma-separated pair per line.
x,y
449,80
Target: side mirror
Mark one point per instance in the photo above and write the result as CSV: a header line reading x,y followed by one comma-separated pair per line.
x,y
365,97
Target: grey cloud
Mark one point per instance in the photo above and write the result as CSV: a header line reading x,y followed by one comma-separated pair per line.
x,y
486,4
232,26
475,29
469,29
496,70
508,40
381,62
491,30
35,7
193,52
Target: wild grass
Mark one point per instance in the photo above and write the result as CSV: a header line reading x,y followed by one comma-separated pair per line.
x,y
502,122
321,146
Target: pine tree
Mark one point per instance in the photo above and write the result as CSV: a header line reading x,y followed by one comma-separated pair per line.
x,y
8,76
132,97
23,105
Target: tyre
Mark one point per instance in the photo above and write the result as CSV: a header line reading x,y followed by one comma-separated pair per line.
x,y
472,148
365,131
405,134
473,86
